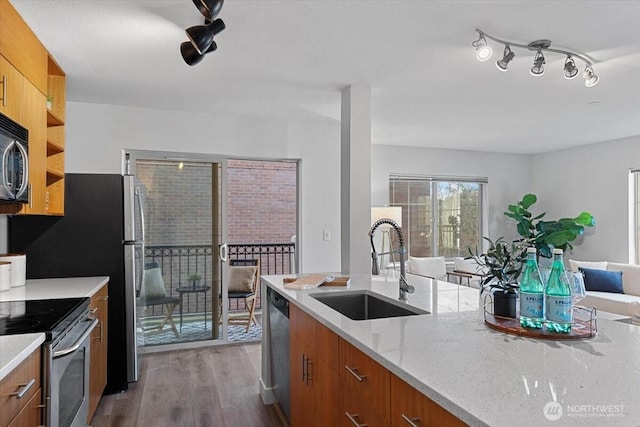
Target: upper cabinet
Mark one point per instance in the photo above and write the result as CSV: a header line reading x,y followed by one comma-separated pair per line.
x,y
33,93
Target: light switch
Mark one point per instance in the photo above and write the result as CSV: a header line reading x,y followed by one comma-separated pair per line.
x,y
326,235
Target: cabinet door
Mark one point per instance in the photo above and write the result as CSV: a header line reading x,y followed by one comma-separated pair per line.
x,y
25,378
365,376
35,119
98,368
31,414
301,404
11,91
410,407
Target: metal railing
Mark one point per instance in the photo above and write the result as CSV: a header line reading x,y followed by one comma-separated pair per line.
x,y
178,262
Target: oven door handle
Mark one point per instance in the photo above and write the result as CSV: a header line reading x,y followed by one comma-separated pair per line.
x,y
77,344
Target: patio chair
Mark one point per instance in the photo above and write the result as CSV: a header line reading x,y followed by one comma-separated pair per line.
x,y
244,275
432,267
467,269
153,293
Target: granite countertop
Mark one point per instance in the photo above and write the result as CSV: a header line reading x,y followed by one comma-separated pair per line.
x,y
486,377
69,287
15,348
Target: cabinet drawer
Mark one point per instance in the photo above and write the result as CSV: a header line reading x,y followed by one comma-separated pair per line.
x,y
365,376
16,382
409,407
31,414
301,325
356,411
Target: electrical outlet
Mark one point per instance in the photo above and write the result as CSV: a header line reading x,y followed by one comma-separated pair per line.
x,y
326,235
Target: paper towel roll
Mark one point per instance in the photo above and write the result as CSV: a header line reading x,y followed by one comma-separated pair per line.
x,y
5,276
18,268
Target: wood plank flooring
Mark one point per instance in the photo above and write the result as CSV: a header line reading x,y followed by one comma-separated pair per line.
x,y
203,387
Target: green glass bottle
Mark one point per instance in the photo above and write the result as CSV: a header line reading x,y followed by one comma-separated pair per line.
x,y
559,305
531,294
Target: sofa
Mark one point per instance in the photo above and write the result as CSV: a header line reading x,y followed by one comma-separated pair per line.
x,y
626,303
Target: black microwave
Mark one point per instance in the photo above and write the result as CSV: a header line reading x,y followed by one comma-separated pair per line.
x,y
14,168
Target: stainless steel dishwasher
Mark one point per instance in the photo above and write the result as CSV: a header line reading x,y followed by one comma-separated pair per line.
x,y
279,332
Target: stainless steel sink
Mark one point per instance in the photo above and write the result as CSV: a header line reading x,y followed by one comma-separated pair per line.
x,y
365,305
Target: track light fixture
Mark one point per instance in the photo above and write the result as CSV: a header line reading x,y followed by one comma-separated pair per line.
x,y
201,36
484,51
507,56
538,64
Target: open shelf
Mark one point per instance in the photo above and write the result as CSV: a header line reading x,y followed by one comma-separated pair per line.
x,y
54,175
54,148
53,119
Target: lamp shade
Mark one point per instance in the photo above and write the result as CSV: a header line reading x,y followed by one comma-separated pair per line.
x,y
209,8
201,36
393,213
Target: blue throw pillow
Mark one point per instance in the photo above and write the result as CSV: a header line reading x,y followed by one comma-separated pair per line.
x,y
602,280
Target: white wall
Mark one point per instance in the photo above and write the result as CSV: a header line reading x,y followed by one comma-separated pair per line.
x,y
97,134
509,176
591,178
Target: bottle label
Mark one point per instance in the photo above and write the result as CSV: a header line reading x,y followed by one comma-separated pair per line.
x,y
531,305
559,308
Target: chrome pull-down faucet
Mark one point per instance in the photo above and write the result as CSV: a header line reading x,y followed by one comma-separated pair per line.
x,y
405,288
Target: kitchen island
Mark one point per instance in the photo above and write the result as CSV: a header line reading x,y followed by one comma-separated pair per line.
x,y
482,376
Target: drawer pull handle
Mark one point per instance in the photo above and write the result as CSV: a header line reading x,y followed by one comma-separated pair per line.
x,y
354,420
411,421
354,372
93,310
104,298
25,388
4,91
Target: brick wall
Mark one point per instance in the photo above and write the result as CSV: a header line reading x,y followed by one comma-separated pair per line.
x,y
261,202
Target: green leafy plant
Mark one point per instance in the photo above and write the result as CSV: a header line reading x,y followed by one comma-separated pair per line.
x,y
502,263
546,235
194,277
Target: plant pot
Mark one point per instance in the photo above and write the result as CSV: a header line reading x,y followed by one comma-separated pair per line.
x,y
504,304
195,283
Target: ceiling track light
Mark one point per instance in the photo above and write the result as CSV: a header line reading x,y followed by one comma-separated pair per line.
x,y
484,51
507,56
201,36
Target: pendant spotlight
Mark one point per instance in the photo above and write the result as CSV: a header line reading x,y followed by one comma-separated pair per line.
x,y
484,51
201,36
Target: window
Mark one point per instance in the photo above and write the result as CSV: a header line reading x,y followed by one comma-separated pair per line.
x,y
441,216
634,216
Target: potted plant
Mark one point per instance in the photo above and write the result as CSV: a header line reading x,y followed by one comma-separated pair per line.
x,y
502,265
195,280
49,101
546,235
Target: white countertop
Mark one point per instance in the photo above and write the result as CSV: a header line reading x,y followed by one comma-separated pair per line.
x,y
486,377
71,287
15,348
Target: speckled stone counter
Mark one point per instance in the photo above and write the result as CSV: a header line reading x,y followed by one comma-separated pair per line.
x,y
71,287
486,377
15,348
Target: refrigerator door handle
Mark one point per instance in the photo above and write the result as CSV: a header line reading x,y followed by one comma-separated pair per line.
x,y
139,198
129,213
131,294
224,251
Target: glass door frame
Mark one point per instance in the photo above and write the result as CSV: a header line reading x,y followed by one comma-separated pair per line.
x,y
150,155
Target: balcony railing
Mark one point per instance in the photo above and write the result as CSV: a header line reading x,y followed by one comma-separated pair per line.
x,y
178,262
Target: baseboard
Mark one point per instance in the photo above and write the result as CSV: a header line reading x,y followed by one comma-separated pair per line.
x,y
266,394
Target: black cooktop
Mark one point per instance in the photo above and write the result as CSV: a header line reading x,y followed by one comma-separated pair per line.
x,y
51,316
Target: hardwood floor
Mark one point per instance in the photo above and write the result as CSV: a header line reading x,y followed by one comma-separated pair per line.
x,y
208,387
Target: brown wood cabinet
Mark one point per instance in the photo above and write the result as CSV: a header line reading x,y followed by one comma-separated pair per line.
x,y
314,380
334,383
98,354
28,75
20,393
409,407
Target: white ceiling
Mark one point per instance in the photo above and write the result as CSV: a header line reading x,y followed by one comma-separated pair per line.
x,y
289,60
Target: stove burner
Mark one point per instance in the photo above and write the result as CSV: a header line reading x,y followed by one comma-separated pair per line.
x,y
9,326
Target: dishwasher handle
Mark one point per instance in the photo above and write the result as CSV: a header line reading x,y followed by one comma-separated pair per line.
x,y
278,302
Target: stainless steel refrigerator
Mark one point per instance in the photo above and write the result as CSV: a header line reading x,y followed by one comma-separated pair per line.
x,y
93,239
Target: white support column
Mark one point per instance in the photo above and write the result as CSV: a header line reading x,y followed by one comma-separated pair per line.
x,y
355,179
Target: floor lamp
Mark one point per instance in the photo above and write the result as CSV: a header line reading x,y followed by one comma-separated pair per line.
x,y
393,213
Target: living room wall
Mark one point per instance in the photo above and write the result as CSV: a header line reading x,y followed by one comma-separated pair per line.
x,y
590,178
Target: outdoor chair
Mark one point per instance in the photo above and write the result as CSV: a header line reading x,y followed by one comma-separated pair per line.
x,y
432,267
467,269
244,279
153,293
